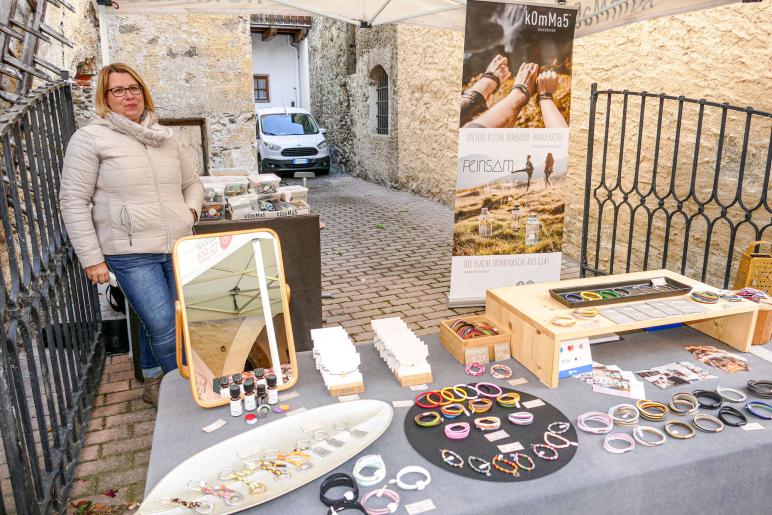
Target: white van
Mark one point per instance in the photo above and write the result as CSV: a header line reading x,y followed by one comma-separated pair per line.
x,y
290,140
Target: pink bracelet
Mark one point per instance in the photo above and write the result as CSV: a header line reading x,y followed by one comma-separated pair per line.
x,y
491,386
475,369
521,418
457,431
391,508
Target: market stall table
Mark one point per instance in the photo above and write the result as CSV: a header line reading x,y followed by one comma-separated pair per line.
x,y
711,473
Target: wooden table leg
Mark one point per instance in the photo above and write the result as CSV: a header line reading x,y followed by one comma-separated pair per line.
x,y
734,330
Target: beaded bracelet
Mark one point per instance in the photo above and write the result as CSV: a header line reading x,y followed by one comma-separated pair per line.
x,y
704,297
558,428
516,458
573,297
392,507
501,371
499,459
435,419
594,416
618,437
453,410
625,415
536,448
563,441
750,407
452,458
739,396
475,369
521,418
623,292
718,426
494,392
563,321
640,430
609,294
586,313
480,405
451,397
483,467
590,295
660,410
487,423
675,434
681,399
457,431
509,400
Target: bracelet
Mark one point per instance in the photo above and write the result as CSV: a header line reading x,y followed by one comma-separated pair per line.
x,y
435,419
623,292
660,410
418,485
521,418
710,395
516,458
727,413
640,430
524,89
487,423
457,431
501,371
609,294
202,507
684,398
494,78
442,400
344,505
590,295
536,449
484,467
704,297
618,437
488,386
511,471
509,400
452,458
564,442
718,425
624,415
475,369
675,434
465,388
423,404
563,320
453,410
381,492
558,428
762,405
573,297
451,397
480,405
545,96
761,389
607,423
370,461
586,313
335,480
739,396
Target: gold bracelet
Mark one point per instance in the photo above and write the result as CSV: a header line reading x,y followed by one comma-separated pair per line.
x,y
680,436
590,295
586,312
480,405
563,321
660,410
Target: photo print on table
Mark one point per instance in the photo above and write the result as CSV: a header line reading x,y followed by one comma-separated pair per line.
x,y
675,374
714,357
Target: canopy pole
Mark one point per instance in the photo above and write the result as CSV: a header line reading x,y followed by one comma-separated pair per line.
x,y
104,43
267,313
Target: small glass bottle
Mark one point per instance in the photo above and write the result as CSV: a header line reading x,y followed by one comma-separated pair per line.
x,y
485,223
224,390
261,394
273,393
236,409
259,375
532,230
238,379
250,404
516,217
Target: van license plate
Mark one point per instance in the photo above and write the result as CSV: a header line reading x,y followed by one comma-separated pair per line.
x,y
300,161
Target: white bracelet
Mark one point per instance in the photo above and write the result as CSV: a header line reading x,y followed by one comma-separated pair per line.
x,y
623,437
624,415
372,460
741,397
638,435
418,485
607,424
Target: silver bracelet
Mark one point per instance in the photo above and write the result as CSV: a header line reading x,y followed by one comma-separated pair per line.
x,y
682,398
718,425
624,415
740,396
638,435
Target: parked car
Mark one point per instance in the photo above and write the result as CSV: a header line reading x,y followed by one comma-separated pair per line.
x,y
290,140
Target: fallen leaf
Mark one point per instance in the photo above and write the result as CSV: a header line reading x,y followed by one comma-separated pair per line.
x,y
110,493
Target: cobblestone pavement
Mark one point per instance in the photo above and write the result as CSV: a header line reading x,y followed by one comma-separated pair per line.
x,y
384,253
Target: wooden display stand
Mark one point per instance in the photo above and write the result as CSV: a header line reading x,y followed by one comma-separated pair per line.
x,y
457,346
763,332
346,389
526,312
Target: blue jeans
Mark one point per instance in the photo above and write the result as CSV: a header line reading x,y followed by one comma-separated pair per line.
x,y
147,280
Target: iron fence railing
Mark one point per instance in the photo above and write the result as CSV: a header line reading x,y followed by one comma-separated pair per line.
x,y
679,183
50,361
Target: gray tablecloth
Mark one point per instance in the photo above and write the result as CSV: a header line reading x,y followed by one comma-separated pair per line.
x,y
711,473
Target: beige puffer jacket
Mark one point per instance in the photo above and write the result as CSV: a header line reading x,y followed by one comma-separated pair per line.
x,y
119,196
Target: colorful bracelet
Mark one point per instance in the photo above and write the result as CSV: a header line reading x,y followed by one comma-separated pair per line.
x,y
660,410
516,458
475,369
452,458
487,423
442,401
451,397
499,371
684,398
482,467
618,437
392,507
458,430
563,320
509,400
537,450
609,294
704,297
423,404
760,405
453,410
521,418
717,427
675,434
480,405
511,471
640,430
623,292
590,295
586,313
573,297
494,392
563,441
607,424
435,419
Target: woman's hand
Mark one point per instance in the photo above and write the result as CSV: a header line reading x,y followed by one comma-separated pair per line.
x,y
526,75
98,274
547,82
499,68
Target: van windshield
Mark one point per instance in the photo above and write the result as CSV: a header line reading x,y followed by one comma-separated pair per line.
x,y
288,124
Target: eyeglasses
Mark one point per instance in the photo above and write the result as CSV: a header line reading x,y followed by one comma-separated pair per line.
x,y
121,91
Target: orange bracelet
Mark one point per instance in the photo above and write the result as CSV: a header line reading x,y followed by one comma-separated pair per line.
x,y
480,405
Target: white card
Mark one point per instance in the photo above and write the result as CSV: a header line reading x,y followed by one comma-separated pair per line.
x,y
295,411
517,381
214,426
287,396
510,447
402,404
753,426
534,403
659,281
497,435
347,398
420,507
419,387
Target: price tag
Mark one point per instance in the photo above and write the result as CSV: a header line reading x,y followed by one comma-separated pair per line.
x,y
348,398
753,426
533,404
510,447
518,381
419,387
402,404
214,426
420,507
497,435
287,396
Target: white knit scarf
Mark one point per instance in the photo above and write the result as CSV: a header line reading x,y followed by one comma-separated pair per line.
x,y
148,131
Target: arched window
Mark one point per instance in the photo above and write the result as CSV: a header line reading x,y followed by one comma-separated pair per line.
x,y
379,100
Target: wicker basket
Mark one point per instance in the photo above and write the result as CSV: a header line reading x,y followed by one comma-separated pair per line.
x,y
755,270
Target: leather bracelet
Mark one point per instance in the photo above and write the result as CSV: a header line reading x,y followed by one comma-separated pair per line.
x,y
586,313
487,423
494,78
719,426
435,419
370,461
499,371
545,96
521,418
524,90
412,469
624,415
607,423
457,431
727,413
660,410
509,400
346,505
714,396
761,389
618,437
453,410
335,480
480,405
675,434
392,507
558,428
682,398
623,292
640,430
737,395
752,405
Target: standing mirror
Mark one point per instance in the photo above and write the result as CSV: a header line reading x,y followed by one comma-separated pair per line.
x,y
233,310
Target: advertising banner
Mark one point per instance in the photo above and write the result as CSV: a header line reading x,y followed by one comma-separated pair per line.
x,y
512,148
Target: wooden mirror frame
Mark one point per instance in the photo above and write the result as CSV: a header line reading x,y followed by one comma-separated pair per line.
x,y
183,336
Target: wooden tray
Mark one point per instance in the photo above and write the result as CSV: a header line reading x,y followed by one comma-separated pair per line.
x,y
676,288
457,346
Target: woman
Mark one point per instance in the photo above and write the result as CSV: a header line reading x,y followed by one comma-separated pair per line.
x,y
549,166
128,192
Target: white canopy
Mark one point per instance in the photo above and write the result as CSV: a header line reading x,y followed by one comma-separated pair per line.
x,y
594,15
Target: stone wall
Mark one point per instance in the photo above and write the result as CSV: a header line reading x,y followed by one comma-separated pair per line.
x,y
196,67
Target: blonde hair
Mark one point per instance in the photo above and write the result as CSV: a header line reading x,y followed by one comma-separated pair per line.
x,y
100,99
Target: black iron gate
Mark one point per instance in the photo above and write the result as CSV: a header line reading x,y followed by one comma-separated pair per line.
x,y
50,361
680,183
